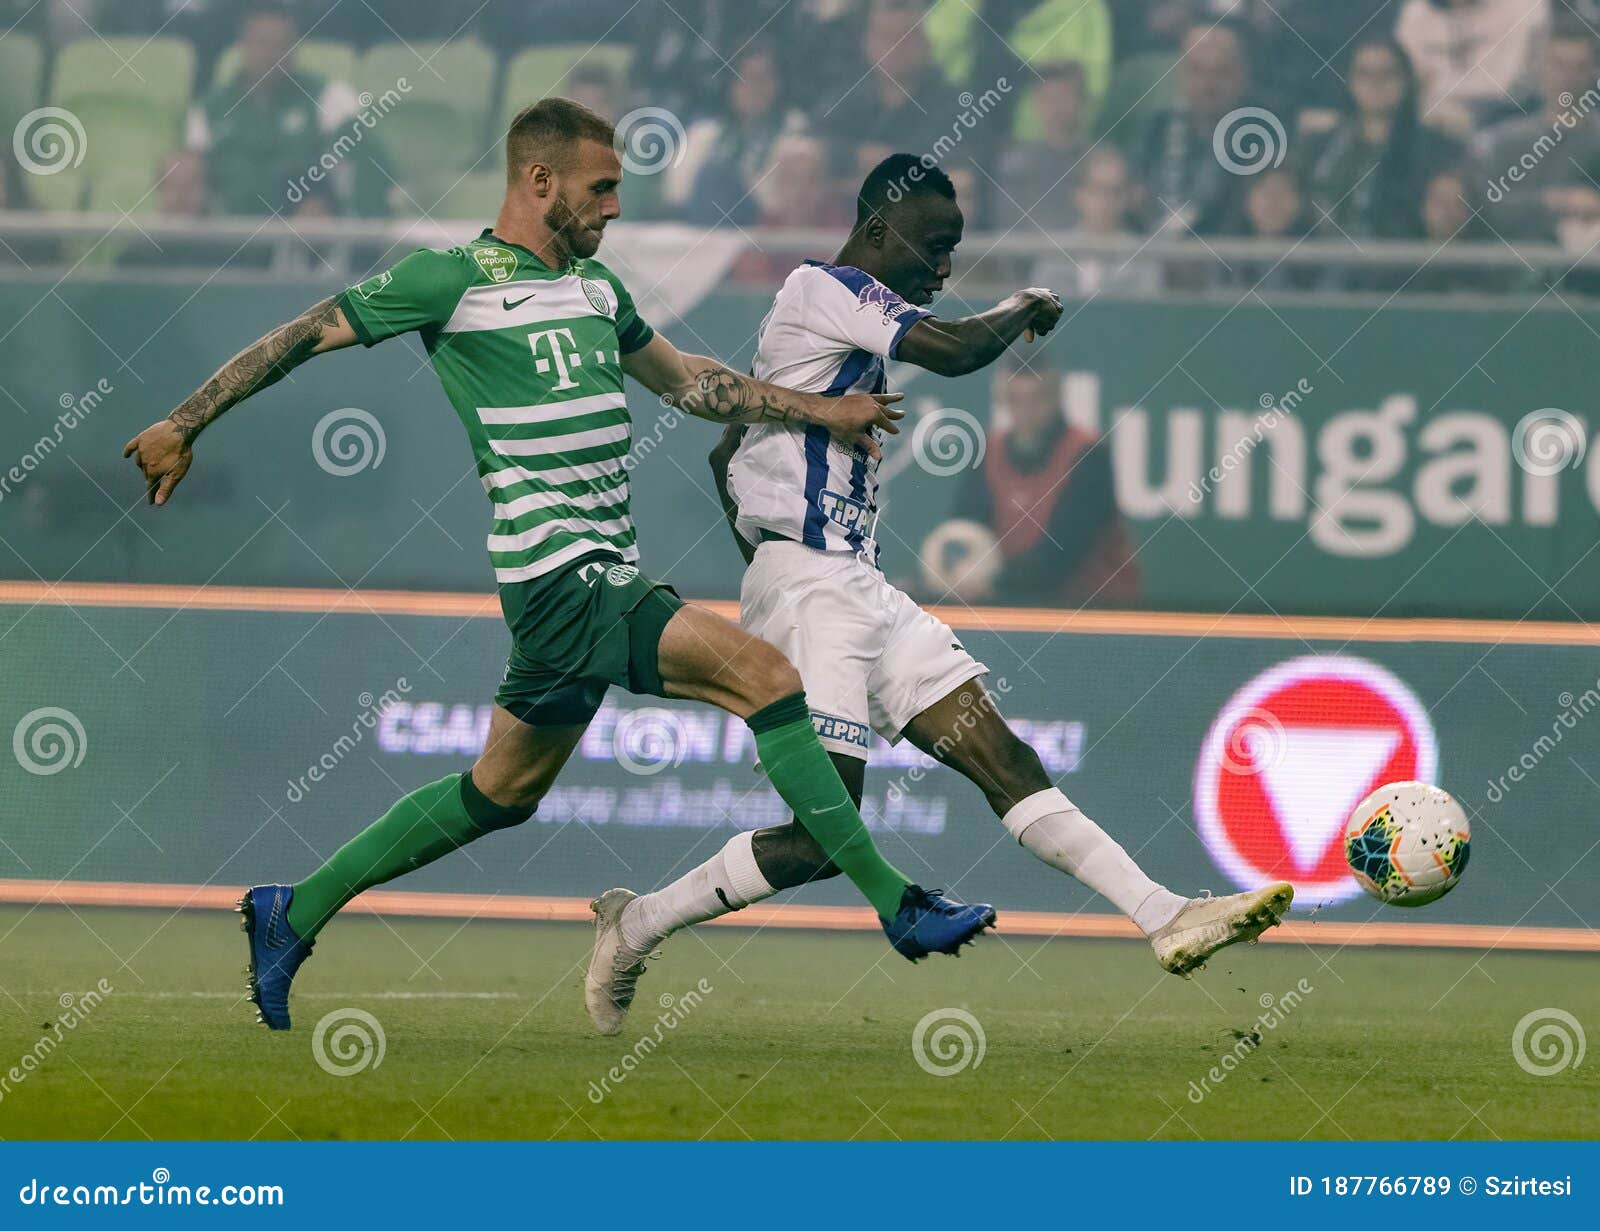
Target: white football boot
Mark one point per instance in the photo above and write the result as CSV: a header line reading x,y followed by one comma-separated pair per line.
x,y
614,969
1208,924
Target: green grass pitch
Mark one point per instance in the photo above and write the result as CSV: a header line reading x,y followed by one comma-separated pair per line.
x,y
804,1035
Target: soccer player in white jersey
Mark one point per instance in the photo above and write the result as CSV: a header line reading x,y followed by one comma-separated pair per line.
x,y
804,511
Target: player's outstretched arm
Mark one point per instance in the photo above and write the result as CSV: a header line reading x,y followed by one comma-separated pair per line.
x,y
164,450
707,389
954,348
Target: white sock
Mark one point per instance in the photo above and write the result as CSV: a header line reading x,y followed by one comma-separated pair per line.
x,y
728,881
1051,826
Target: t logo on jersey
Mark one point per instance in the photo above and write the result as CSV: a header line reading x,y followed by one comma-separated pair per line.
x,y
842,510
560,355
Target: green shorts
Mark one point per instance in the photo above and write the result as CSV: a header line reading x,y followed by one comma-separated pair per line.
x,y
575,632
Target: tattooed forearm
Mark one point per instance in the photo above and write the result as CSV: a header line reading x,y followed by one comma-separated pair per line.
x,y
264,362
725,396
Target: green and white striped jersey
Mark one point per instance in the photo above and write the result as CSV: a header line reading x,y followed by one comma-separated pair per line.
x,y
530,357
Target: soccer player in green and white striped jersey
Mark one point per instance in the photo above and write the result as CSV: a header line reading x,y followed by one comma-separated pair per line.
x,y
531,338
531,358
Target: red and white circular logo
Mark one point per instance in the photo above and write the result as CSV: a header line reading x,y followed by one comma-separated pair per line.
x,y
1291,754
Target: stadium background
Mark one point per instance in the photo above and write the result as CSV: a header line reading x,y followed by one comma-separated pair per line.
x,y
1403,370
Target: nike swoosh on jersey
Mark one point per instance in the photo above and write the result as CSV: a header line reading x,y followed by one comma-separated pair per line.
x,y
508,304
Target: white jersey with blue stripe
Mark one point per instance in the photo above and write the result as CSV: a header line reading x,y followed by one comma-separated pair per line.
x,y
829,331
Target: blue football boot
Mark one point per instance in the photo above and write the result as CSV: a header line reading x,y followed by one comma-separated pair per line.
x,y
275,951
929,922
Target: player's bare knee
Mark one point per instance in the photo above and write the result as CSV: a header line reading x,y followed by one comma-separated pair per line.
x,y
1006,768
1022,768
498,800
789,856
767,675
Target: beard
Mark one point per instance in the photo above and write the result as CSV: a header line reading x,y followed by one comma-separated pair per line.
x,y
570,230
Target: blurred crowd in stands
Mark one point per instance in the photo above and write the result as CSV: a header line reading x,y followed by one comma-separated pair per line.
x,y
1340,119
1445,122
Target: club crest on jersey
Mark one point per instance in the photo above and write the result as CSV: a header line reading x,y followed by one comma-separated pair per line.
x,y
842,510
876,295
621,574
372,286
595,294
498,264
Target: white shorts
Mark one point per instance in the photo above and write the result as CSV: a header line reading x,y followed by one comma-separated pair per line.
x,y
869,657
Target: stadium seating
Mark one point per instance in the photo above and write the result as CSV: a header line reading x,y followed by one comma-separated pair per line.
x,y
130,96
21,69
439,131
325,58
539,71
154,76
1077,30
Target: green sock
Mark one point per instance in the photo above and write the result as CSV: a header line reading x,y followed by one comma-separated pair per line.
x,y
798,766
426,825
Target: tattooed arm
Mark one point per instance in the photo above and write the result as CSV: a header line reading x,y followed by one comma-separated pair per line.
x,y
709,390
164,450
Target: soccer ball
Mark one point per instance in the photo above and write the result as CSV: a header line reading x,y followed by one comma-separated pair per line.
x,y
1407,843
